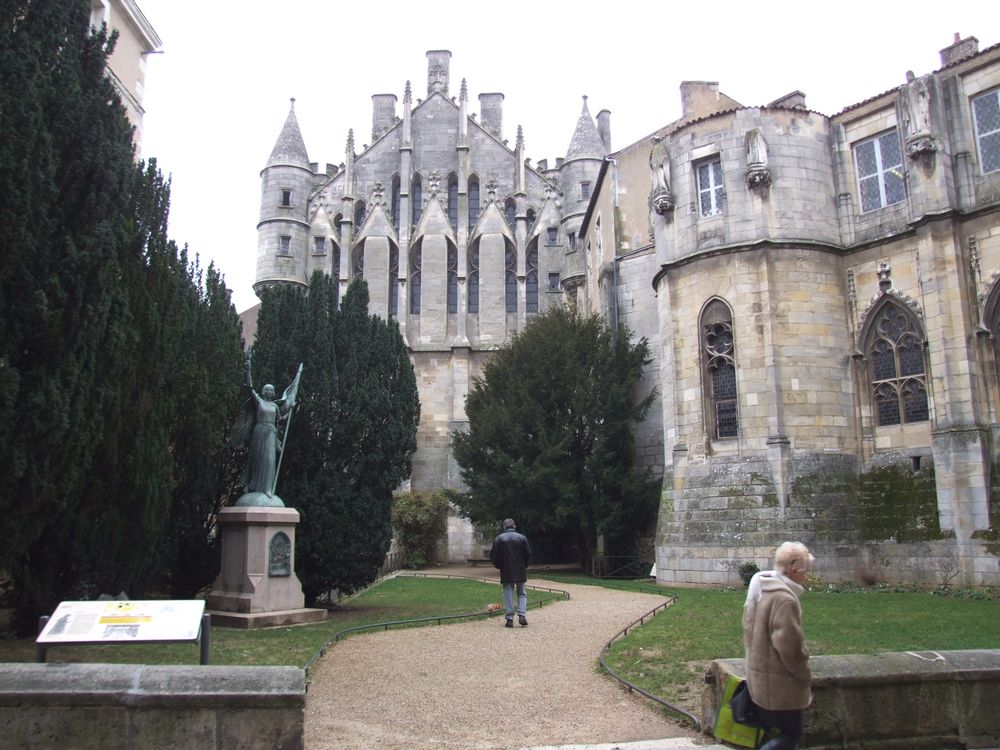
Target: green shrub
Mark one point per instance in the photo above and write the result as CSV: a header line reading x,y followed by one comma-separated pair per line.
x,y
747,571
419,521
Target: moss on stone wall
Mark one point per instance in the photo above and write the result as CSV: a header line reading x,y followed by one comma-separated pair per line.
x,y
898,504
991,535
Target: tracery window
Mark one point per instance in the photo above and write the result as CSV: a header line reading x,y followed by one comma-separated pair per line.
x,y
531,279
452,279
895,356
719,358
510,212
473,201
986,109
472,279
510,274
359,214
879,163
415,259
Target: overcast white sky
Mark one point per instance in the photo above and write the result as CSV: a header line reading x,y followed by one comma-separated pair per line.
x,y
218,95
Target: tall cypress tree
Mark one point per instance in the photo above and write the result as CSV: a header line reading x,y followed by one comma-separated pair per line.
x,y
354,431
66,172
100,355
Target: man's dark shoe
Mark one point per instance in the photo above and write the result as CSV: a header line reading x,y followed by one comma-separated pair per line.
x,y
509,623
523,620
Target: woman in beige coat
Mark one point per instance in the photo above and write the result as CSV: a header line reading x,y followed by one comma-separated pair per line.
x,y
777,659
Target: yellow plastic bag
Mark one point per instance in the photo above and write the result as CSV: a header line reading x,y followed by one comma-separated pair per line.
x,y
726,727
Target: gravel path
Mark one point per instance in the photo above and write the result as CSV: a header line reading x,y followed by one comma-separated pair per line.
x,y
480,685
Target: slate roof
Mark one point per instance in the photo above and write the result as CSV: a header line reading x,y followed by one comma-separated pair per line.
x,y
586,141
290,148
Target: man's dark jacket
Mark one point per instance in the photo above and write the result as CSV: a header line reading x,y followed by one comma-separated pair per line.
x,y
510,555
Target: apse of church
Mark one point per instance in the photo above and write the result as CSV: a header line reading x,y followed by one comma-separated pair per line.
x,y
458,236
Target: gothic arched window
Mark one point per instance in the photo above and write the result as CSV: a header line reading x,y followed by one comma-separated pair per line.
x,y
510,274
359,214
510,211
452,279
453,201
895,356
472,279
415,280
393,280
473,200
416,200
719,369
358,262
531,279
335,273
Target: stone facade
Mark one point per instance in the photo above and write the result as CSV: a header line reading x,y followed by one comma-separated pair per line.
x,y
826,302
137,39
459,238
819,292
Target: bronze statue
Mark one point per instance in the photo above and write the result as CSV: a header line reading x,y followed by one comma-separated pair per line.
x,y
257,427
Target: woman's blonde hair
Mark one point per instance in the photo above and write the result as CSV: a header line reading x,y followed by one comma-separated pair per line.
x,y
793,556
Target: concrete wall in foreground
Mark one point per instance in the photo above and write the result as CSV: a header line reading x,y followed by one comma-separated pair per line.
x,y
121,707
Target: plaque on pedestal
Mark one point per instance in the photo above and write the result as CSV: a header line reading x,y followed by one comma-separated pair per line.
x,y
257,585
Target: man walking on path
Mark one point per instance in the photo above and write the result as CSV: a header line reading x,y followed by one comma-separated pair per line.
x,y
509,555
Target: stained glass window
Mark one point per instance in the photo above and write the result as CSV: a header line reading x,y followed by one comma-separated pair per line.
x,y
718,353
896,368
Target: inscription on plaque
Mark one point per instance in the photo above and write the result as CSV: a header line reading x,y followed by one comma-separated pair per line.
x,y
280,557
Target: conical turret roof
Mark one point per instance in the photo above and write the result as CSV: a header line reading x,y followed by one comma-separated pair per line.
x,y
586,139
290,148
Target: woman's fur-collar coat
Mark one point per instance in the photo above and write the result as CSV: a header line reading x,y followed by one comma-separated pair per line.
x,y
778,672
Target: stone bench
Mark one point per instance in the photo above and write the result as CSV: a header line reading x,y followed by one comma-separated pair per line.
x,y
121,706
922,700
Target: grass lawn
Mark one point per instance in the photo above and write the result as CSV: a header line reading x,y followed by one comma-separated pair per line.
x,y
400,598
668,655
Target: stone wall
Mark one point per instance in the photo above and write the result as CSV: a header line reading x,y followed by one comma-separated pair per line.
x,y
890,701
126,707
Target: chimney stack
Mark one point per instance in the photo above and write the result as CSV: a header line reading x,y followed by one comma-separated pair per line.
x,y
604,128
959,50
491,113
383,114
438,70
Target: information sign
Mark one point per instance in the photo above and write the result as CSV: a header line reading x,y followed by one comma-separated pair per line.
x,y
124,622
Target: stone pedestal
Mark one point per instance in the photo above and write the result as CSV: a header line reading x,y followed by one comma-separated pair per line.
x,y
257,585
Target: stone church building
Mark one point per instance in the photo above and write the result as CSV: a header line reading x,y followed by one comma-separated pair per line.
x,y
820,295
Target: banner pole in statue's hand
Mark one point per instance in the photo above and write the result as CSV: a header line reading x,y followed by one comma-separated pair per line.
x,y
293,390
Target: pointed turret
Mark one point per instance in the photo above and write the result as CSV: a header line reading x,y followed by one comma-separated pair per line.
x,y
290,149
283,230
463,114
407,116
519,159
586,141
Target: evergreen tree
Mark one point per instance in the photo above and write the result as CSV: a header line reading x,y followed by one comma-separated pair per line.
x,y
206,384
66,171
353,433
550,436
106,331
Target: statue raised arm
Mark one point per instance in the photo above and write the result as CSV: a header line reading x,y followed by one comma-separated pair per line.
x,y
257,427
